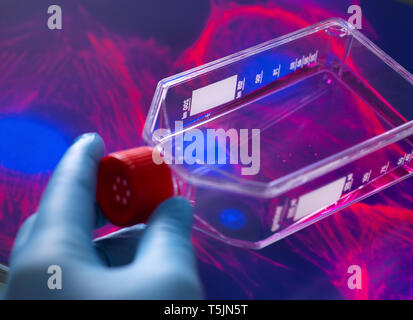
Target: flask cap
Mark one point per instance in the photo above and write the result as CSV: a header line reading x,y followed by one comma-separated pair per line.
x,y
131,185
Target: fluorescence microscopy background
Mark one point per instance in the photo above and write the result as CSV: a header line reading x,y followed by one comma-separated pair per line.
x,y
99,74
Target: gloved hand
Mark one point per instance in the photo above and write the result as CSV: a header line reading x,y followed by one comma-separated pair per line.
x,y
57,241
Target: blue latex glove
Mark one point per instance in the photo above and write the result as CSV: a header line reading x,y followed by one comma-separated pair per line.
x,y
156,262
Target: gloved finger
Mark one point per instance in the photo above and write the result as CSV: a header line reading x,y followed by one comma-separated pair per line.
x,y
167,237
23,235
27,226
119,248
25,230
100,220
67,208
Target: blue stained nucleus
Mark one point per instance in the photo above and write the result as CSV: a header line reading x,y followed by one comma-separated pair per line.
x,y
29,146
232,219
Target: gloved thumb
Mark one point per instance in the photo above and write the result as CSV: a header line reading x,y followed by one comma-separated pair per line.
x,y
167,237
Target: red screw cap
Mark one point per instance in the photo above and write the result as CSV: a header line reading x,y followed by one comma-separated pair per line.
x,y
130,186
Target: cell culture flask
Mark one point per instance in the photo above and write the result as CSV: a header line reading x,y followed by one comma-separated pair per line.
x,y
331,114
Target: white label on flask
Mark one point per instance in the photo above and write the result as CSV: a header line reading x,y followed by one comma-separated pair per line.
x,y
277,216
319,199
213,95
